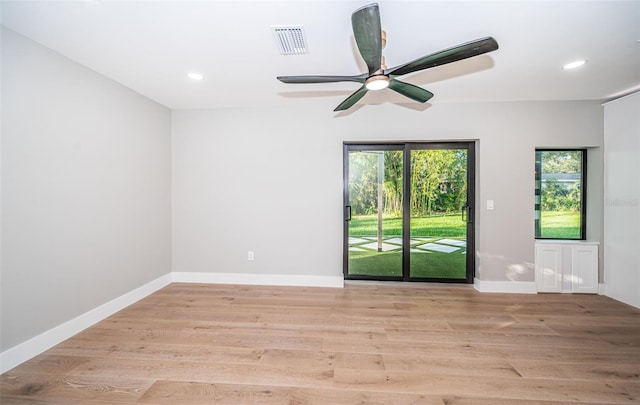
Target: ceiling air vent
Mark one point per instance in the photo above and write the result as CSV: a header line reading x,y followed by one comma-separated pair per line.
x,y
290,39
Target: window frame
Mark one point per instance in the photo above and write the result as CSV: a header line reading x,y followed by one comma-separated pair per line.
x,y
538,189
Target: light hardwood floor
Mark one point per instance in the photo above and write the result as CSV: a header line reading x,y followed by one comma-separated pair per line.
x,y
364,344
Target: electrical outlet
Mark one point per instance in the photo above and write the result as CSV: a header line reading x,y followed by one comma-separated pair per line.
x,y
250,255
489,205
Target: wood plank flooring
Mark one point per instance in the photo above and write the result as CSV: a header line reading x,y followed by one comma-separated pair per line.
x,y
364,344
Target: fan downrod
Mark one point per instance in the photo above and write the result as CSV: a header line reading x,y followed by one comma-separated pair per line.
x,y
379,80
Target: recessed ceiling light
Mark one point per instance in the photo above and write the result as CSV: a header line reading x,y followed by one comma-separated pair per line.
x,y
195,76
575,64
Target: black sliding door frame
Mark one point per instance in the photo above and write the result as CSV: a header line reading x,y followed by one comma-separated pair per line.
x,y
469,210
364,147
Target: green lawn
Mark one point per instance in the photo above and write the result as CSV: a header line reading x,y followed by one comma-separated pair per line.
x,y
446,226
560,225
423,265
554,224
434,264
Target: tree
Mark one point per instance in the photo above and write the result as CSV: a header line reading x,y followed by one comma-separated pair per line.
x,y
561,161
438,181
555,195
393,173
362,182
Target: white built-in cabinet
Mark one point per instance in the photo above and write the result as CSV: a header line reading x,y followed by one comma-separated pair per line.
x,y
566,266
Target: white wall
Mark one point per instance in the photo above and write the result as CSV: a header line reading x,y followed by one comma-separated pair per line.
x,y
86,184
87,170
622,199
270,180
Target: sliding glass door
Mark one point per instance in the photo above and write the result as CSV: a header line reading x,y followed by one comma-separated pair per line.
x,y
423,237
374,225
439,211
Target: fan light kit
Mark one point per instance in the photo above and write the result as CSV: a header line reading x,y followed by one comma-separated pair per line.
x,y
371,39
377,82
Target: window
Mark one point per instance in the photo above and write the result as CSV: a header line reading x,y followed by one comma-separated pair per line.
x,y
560,194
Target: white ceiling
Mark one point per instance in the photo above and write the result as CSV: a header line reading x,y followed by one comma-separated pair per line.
x,y
149,46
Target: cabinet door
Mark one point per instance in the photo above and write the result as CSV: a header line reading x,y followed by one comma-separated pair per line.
x,y
549,268
584,269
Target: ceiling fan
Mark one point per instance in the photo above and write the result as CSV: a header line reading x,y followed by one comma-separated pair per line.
x,y
370,39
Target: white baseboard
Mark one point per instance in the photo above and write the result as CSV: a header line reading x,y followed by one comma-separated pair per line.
x,y
513,287
38,344
259,279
